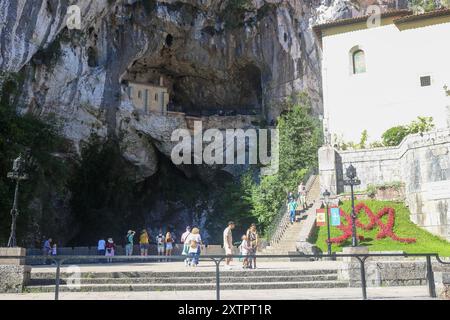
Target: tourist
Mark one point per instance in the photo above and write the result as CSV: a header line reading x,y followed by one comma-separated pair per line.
x,y
160,243
54,250
144,243
186,244
292,208
130,243
228,242
302,195
194,240
194,249
245,250
110,249
290,196
101,247
253,239
169,244
174,236
47,249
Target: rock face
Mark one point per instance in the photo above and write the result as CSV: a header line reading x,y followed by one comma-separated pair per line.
x,y
209,58
212,54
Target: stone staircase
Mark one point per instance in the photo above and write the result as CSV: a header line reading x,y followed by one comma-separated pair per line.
x,y
288,242
184,280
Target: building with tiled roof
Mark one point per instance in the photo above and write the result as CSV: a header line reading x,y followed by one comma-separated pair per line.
x,y
382,71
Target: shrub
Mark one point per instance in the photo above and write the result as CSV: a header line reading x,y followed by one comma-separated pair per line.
x,y
395,135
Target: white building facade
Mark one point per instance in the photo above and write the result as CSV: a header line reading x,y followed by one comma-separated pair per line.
x,y
375,78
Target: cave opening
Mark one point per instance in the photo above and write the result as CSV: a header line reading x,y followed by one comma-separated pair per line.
x,y
169,40
201,92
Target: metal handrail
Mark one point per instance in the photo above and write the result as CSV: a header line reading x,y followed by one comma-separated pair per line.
x,y
217,259
282,220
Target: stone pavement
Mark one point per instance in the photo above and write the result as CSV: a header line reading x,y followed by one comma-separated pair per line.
x,y
385,293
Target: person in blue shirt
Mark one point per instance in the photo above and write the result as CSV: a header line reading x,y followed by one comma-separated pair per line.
x,y
130,243
292,207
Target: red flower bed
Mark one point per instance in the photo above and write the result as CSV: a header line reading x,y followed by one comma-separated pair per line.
x,y
386,230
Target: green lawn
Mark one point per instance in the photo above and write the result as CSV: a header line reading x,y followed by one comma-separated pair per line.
x,y
403,227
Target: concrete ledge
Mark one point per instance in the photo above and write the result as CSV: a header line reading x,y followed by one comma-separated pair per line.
x,y
12,252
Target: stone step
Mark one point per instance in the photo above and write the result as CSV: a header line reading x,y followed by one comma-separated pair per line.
x,y
181,280
190,286
191,274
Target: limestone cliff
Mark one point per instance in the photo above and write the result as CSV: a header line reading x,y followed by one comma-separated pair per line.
x,y
213,54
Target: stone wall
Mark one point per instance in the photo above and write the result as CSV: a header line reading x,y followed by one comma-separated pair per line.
x,y
442,282
421,162
14,275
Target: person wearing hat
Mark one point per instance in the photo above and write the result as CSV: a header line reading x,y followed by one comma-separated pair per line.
x,y
144,243
110,249
130,243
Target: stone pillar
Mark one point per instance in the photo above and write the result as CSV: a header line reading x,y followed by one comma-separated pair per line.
x,y
351,267
14,274
327,169
442,284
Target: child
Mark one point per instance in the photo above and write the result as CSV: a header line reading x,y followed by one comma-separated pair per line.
x,y
193,253
54,250
110,248
245,249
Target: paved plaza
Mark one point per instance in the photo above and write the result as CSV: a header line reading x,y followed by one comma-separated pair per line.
x,y
376,293
389,293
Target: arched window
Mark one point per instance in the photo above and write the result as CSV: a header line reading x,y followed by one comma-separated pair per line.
x,y
358,61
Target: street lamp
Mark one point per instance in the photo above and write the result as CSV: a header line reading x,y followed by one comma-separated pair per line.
x,y
352,181
326,197
16,174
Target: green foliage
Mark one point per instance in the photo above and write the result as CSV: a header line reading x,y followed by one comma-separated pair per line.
x,y
373,188
426,5
421,125
18,133
403,227
300,137
350,145
395,135
363,140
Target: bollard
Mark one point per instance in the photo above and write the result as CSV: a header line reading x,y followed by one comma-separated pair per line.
x,y
430,278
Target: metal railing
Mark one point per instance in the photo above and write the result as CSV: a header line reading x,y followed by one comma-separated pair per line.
x,y
282,219
217,259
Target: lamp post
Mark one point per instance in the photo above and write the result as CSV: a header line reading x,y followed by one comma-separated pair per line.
x,y
16,174
352,181
326,197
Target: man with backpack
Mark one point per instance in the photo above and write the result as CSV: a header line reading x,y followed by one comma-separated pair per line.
x,y
185,244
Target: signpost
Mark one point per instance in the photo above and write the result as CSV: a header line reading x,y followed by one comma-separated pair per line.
x,y
335,217
320,218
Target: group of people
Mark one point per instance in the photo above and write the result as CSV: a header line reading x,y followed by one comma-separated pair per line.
x,y
165,244
295,200
191,240
248,247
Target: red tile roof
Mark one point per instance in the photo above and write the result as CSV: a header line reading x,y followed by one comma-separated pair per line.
x,y
403,15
